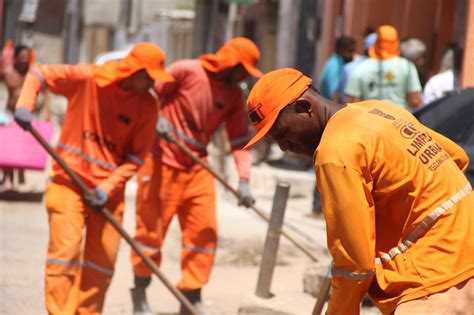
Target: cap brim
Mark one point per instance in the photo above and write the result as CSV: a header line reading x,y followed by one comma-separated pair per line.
x,y
265,129
253,71
159,75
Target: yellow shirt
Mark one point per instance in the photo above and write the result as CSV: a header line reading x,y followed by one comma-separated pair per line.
x,y
380,173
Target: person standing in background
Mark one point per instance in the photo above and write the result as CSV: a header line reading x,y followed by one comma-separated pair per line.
x,y
369,41
332,70
414,50
14,65
446,81
385,75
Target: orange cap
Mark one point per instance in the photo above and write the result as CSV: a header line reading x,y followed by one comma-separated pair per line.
x,y
146,56
387,45
273,92
239,50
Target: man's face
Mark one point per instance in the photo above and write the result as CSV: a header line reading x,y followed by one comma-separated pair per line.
x,y
419,61
294,131
22,61
348,53
141,82
236,74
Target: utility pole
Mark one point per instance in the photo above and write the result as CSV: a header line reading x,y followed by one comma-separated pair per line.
x,y
11,12
288,20
73,33
231,17
123,24
306,44
204,26
1,23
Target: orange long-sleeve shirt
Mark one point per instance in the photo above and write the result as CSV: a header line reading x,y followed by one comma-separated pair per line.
x,y
380,174
106,130
195,105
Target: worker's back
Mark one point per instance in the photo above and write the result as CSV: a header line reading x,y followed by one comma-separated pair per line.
x,y
382,175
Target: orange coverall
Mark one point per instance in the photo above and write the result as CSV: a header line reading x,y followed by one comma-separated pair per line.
x,y
195,105
106,133
380,189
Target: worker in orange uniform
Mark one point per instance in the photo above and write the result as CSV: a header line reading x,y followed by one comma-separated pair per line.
x,y
398,208
203,96
107,130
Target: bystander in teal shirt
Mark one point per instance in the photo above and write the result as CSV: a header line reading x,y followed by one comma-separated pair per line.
x,y
330,76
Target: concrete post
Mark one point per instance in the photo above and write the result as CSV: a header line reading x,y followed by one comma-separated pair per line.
x,y
272,241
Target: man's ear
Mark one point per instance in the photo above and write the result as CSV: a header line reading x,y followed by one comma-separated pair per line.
x,y
303,106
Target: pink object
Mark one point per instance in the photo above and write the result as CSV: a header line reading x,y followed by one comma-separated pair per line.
x,y
19,149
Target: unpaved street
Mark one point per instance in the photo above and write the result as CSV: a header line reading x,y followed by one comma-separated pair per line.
x,y
23,243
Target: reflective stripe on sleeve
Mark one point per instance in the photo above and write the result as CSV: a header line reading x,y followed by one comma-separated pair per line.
x,y
238,141
40,77
86,157
135,159
424,225
187,139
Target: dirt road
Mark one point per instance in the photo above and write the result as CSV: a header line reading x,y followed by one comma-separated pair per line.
x,y
23,244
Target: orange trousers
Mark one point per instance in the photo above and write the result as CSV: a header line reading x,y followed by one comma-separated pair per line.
x,y
164,191
76,279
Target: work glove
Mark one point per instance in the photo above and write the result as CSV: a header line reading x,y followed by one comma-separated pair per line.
x,y
163,128
23,118
246,198
97,198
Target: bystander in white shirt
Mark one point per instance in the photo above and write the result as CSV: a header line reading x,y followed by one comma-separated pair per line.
x,y
438,85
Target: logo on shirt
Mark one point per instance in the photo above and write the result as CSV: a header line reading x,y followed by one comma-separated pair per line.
x,y
408,131
421,145
125,119
389,76
256,115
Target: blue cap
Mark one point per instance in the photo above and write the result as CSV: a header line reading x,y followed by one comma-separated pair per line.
x,y
369,40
